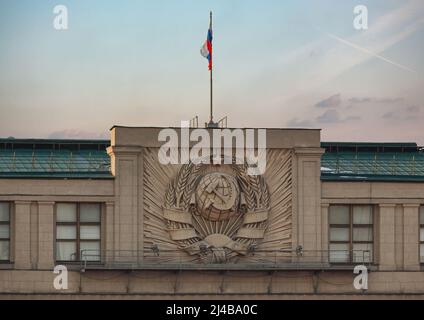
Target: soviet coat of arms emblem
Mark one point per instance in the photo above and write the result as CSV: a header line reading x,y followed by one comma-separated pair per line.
x,y
216,212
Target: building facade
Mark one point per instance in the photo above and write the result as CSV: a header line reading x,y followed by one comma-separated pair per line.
x,y
127,226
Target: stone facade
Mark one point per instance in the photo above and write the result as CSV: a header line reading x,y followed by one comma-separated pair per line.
x,y
133,224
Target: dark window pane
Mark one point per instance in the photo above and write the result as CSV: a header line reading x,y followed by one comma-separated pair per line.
x,y
362,215
4,212
422,253
422,215
66,251
339,214
90,232
362,252
362,234
90,212
4,250
4,231
66,212
90,250
339,252
339,234
66,232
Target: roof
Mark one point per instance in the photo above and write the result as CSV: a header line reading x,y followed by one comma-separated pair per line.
x,y
230,128
88,159
352,161
42,158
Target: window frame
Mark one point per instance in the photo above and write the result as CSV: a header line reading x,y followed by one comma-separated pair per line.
x,y
351,226
9,224
77,223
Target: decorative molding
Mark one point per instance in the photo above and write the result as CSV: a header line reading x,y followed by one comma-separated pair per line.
x,y
387,205
22,202
123,150
411,205
219,213
46,203
309,151
110,203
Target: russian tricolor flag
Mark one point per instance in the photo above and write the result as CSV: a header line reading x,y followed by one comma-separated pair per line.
x,y
206,49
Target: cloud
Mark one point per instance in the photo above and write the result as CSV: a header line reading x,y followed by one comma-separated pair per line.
x,y
313,53
353,118
77,134
389,115
390,100
409,113
413,109
331,102
333,116
359,100
329,116
296,123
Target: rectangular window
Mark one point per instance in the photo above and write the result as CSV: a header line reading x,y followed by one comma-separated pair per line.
x,y
351,233
78,228
4,232
422,234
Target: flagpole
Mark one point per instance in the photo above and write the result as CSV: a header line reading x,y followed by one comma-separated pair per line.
x,y
211,97
211,79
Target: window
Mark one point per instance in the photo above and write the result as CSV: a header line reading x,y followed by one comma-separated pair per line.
x,y
4,231
422,234
78,231
351,233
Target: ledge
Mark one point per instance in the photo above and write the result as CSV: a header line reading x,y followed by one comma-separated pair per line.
x,y
224,267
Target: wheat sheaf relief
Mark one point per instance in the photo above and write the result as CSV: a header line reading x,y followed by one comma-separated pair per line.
x,y
217,213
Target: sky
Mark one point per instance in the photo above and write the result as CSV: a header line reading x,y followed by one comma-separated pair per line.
x,y
296,64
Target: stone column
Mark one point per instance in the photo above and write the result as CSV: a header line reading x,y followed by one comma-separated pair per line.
x,y
125,168
411,236
309,215
46,241
387,237
22,235
34,235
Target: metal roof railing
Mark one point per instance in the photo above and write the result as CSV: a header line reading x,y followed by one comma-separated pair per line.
x,y
154,259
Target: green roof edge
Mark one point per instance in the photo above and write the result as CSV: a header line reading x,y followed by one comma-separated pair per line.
x,y
366,177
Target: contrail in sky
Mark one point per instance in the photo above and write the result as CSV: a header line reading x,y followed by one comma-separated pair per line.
x,y
350,44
